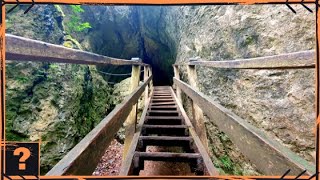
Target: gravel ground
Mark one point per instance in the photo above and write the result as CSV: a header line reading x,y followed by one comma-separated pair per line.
x,y
110,163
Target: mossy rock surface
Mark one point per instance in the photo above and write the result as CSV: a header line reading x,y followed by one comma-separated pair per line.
x,y
55,103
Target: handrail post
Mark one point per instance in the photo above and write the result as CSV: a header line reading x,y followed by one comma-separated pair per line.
x,y
145,77
177,75
198,119
150,73
317,92
130,123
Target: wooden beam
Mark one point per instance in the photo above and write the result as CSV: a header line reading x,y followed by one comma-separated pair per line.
x,y
84,157
303,59
317,93
126,165
24,49
198,119
145,77
202,149
162,2
268,155
150,74
130,124
177,75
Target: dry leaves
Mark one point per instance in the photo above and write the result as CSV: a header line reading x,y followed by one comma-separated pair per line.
x,y
110,162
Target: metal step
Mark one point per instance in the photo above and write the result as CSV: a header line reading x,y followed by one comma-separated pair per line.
x,y
162,100
162,113
170,107
162,96
165,130
164,120
165,127
193,159
162,103
167,141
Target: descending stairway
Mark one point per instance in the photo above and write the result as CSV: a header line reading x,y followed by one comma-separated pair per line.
x,y
164,126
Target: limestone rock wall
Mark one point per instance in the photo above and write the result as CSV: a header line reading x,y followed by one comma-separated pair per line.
x,y
55,103
281,103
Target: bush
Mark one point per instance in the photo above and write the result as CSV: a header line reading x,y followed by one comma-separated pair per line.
x,y
75,24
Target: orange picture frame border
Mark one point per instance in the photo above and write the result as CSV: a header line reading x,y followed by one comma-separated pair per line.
x,y
158,2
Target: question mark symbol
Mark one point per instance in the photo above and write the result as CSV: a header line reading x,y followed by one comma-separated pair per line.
x,y
25,155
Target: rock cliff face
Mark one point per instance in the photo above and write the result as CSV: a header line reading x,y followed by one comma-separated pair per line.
x,y
132,31
55,103
281,103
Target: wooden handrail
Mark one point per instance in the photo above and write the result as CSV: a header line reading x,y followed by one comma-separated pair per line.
x,y
127,162
213,171
302,59
24,49
84,157
268,155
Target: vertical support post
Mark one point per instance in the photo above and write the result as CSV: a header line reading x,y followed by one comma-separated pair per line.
x,y
130,123
2,85
177,75
145,78
151,82
198,119
317,91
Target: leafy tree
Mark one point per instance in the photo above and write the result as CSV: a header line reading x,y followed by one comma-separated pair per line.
x,y
75,24
77,8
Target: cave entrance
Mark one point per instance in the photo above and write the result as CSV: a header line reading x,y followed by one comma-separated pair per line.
x,y
140,33
162,71
160,77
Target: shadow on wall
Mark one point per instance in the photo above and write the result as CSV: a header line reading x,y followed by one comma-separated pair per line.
x,y
132,31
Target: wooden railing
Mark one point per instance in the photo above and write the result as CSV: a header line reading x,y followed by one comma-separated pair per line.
x,y
24,49
84,157
268,155
302,59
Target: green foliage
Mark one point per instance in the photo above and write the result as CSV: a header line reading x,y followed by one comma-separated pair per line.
x,y
83,26
77,8
226,163
249,39
75,24
54,66
22,79
10,134
59,9
228,166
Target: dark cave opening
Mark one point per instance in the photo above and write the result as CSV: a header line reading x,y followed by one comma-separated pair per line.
x,y
161,76
139,34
